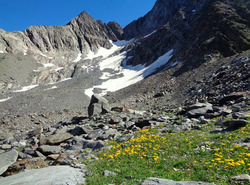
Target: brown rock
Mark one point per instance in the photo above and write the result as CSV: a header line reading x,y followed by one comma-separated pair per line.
x,y
57,138
29,164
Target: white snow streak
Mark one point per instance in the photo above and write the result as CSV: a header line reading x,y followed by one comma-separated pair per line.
x,y
26,88
1,51
59,68
48,65
3,100
78,58
149,34
54,87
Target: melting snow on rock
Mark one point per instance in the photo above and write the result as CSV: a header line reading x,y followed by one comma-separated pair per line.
x,y
123,76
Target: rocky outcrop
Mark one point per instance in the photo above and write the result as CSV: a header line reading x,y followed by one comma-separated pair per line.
x,y
117,29
194,41
98,105
82,34
160,14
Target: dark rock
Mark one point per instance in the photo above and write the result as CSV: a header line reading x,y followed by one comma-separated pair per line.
x,y
117,109
142,123
235,123
233,97
117,29
160,94
77,131
247,140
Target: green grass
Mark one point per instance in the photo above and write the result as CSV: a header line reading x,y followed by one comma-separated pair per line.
x,y
185,156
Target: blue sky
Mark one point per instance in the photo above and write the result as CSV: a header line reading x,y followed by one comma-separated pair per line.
x,y
18,15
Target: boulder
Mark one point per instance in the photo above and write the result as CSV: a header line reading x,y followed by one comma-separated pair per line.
x,y
235,123
6,160
47,149
233,96
95,134
107,173
240,178
59,137
77,144
198,109
157,181
26,164
98,105
61,175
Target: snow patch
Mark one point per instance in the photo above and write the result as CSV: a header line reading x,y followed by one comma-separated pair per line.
x,y
78,58
54,87
175,64
26,88
128,75
193,10
65,79
103,52
48,65
124,42
59,68
149,34
3,100
25,52
1,51
43,55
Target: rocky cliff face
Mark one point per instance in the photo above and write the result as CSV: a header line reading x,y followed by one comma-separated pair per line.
x,y
82,34
162,11
224,33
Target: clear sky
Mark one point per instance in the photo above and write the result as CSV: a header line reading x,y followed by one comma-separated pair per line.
x,y
18,15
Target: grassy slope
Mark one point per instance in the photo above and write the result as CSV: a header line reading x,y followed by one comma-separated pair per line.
x,y
196,155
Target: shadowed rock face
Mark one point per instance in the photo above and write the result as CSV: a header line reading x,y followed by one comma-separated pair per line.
x,y
157,17
224,33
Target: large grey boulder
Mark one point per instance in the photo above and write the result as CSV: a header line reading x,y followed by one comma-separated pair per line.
x,y
6,160
198,109
56,175
157,181
98,105
59,137
47,149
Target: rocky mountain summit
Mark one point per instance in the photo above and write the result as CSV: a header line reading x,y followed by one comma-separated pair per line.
x,y
67,91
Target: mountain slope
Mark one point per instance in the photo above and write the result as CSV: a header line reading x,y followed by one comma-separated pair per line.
x,y
65,65
224,33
